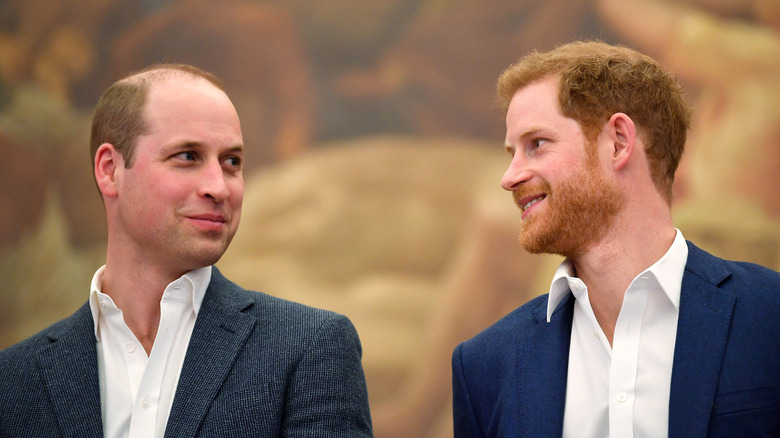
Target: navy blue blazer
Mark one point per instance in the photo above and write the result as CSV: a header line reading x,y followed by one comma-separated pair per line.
x,y
510,380
256,366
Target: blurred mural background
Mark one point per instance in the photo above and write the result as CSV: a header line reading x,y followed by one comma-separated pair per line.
x,y
374,154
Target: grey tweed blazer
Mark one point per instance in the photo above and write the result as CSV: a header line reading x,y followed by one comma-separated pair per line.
x,y
256,366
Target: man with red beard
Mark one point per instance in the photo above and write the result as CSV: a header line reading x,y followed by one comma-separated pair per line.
x,y
642,333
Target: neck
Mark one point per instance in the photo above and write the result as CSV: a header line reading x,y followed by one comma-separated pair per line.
x,y
607,268
137,286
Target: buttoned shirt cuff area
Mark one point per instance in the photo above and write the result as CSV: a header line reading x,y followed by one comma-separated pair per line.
x,y
668,271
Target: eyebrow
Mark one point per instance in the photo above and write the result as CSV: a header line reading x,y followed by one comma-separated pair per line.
x,y
237,148
184,144
192,144
533,130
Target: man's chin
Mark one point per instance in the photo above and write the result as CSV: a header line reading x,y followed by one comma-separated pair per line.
x,y
543,242
533,242
208,254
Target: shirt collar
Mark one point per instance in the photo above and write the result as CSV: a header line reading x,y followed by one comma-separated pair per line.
x,y
196,281
559,287
668,271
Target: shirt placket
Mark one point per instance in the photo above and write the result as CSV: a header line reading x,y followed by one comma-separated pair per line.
x,y
624,360
146,405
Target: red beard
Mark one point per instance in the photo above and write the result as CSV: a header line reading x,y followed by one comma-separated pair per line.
x,y
579,212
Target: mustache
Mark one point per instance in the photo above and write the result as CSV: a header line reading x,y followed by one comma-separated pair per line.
x,y
524,192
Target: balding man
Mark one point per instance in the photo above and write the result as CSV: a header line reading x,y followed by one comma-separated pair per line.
x,y
166,346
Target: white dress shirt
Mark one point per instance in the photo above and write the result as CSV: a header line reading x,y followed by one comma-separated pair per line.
x,y
622,391
136,390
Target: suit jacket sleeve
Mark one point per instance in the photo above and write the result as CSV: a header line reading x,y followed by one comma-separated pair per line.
x,y
465,421
327,394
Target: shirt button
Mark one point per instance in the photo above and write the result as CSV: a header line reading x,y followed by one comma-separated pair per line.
x,y
596,333
103,305
621,397
145,403
130,347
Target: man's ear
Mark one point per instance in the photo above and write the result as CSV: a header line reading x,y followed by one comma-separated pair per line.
x,y
107,163
622,135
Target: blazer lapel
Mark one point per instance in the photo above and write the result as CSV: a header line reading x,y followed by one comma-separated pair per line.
x,y
69,369
702,329
221,330
542,388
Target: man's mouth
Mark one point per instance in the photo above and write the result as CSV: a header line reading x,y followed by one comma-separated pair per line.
x,y
209,222
209,217
528,204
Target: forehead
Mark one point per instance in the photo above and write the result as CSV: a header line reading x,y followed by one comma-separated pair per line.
x,y
185,103
535,110
180,91
535,99
183,110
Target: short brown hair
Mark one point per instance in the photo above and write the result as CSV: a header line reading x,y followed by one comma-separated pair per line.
x,y
598,80
118,117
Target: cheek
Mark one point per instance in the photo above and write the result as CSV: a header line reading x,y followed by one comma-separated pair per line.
x,y
236,189
169,192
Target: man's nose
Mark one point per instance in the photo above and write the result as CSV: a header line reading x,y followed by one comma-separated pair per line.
x,y
213,184
516,174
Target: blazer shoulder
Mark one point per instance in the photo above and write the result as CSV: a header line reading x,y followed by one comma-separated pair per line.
x,y
509,329
742,279
748,293
311,360
276,314
20,373
31,346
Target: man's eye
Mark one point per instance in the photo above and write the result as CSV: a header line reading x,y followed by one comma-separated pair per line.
x,y
232,165
234,161
187,155
538,142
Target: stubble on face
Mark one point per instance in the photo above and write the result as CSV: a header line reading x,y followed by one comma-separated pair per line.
x,y
580,211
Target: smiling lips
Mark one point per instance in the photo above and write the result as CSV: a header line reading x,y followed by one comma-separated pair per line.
x,y
528,204
525,203
210,221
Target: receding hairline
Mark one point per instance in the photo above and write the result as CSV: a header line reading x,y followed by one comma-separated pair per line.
x,y
119,116
158,73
